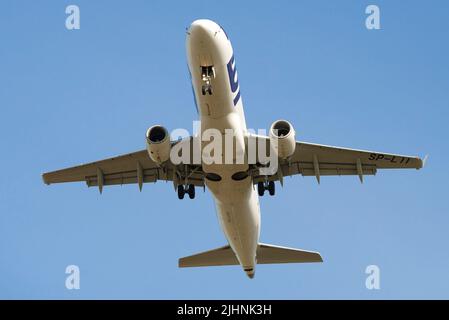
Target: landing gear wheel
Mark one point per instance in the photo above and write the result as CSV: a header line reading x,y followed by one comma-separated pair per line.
x,y
191,191
271,188
181,192
260,188
206,89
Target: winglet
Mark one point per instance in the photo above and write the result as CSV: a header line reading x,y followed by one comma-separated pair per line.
x,y
316,168
424,161
44,179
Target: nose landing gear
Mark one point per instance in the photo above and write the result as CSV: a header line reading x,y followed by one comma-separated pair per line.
x,y
262,186
207,73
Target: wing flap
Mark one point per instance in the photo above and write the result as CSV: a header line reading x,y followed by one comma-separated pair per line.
x,y
332,169
120,178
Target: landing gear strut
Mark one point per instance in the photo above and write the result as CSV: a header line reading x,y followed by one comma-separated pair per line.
x,y
190,190
262,186
271,188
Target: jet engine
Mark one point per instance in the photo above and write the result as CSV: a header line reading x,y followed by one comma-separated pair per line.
x,y
282,138
158,144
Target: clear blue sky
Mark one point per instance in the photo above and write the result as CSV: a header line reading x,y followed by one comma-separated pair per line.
x,y
68,97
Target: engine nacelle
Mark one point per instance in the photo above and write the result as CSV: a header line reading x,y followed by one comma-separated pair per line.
x,y
158,144
282,132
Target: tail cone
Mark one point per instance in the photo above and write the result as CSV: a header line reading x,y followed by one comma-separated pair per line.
x,y
250,273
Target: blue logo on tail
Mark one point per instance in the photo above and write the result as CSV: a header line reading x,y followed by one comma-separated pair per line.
x,y
233,81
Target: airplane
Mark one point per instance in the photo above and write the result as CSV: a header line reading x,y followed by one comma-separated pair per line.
x,y
236,187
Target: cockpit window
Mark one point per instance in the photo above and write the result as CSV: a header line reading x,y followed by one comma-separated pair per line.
x,y
224,32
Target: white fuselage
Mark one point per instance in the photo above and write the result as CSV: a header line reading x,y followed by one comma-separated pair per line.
x,y
236,200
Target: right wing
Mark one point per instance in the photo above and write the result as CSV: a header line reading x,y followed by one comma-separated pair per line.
x,y
136,167
318,160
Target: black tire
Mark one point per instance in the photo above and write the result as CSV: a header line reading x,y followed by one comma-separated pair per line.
x,y
191,191
203,91
271,188
181,192
260,189
210,90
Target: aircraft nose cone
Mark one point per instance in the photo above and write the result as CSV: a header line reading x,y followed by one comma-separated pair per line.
x,y
203,29
207,45
203,45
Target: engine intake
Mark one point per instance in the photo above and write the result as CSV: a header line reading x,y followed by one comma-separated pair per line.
x,y
158,144
282,138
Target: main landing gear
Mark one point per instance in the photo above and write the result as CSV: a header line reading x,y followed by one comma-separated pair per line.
x,y
262,186
189,189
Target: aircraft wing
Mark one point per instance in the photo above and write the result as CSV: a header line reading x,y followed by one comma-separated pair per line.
x,y
136,167
321,160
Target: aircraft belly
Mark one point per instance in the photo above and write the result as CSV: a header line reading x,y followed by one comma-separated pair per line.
x,y
221,108
238,213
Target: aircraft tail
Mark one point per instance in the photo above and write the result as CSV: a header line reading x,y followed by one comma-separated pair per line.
x,y
266,254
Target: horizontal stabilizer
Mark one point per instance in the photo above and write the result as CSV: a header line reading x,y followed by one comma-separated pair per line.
x,y
266,254
223,256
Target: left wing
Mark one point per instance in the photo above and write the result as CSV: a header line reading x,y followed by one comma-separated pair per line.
x,y
321,160
136,167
